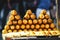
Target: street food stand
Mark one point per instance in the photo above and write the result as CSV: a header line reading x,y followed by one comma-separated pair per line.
x,y
30,27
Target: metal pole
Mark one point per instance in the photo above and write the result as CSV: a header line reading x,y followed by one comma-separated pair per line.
x,y
57,12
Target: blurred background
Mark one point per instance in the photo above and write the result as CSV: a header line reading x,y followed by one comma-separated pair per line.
x,y
58,13
22,5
